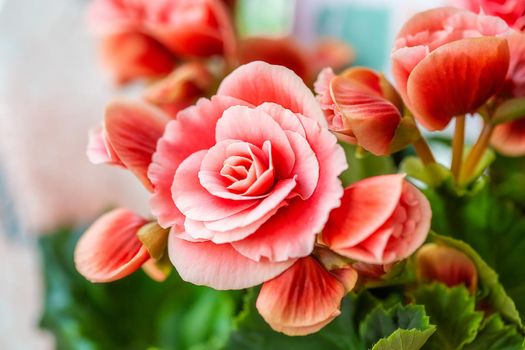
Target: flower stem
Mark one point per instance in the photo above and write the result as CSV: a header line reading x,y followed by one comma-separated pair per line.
x,y
476,153
423,151
458,144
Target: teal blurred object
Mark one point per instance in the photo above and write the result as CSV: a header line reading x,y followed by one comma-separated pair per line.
x,y
362,26
365,25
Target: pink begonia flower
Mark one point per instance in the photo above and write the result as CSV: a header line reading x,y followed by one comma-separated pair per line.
x,y
381,220
181,88
511,11
447,265
361,107
247,179
128,137
143,38
509,138
447,62
109,249
304,298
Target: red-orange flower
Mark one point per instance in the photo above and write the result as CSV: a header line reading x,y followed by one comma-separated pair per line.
x,y
362,108
143,39
448,62
381,220
110,249
447,265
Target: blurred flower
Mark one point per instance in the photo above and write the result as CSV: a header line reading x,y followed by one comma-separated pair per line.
x,y
362,108
99,149
448,62
512,11
241,172
144,38
304,298
509,138
305,62
110,249
181,88
381,220
446,265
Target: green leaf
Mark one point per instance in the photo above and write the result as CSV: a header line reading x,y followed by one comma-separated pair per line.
x,y
360,167
489,285
452,311
509,110
508,176
432,174
400,327
133,313
403,339
495,335
492,226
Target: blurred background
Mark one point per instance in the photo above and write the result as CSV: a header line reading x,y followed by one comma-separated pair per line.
x,y
52,91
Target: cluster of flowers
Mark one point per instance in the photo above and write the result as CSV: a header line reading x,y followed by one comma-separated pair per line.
x,y
245,186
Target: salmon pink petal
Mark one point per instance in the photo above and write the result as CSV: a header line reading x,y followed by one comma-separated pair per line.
x,y
194,201
288,120
457,78
193,130
403,62
256,127
301,300
273,84
110,16
219,265
372,118
509,138
110,249
447,265
133,130
277,240
365,207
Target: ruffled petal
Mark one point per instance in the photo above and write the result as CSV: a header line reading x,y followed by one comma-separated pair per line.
x,y
133,130
273,84
219,265
301,300
193,130
277,240
109,249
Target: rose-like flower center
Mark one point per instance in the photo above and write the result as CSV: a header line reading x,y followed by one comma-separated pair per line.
x,y
248,169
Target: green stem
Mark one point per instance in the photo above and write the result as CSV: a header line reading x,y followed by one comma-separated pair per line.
x,y
458,144
476,153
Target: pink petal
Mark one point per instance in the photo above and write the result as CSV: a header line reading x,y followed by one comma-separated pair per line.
x,y
194,201
260,82
256,127
301,300
306,167
193,130
109,249
457,78
365,207
99,151
290,233
403,62
288,120
219,266
133,130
